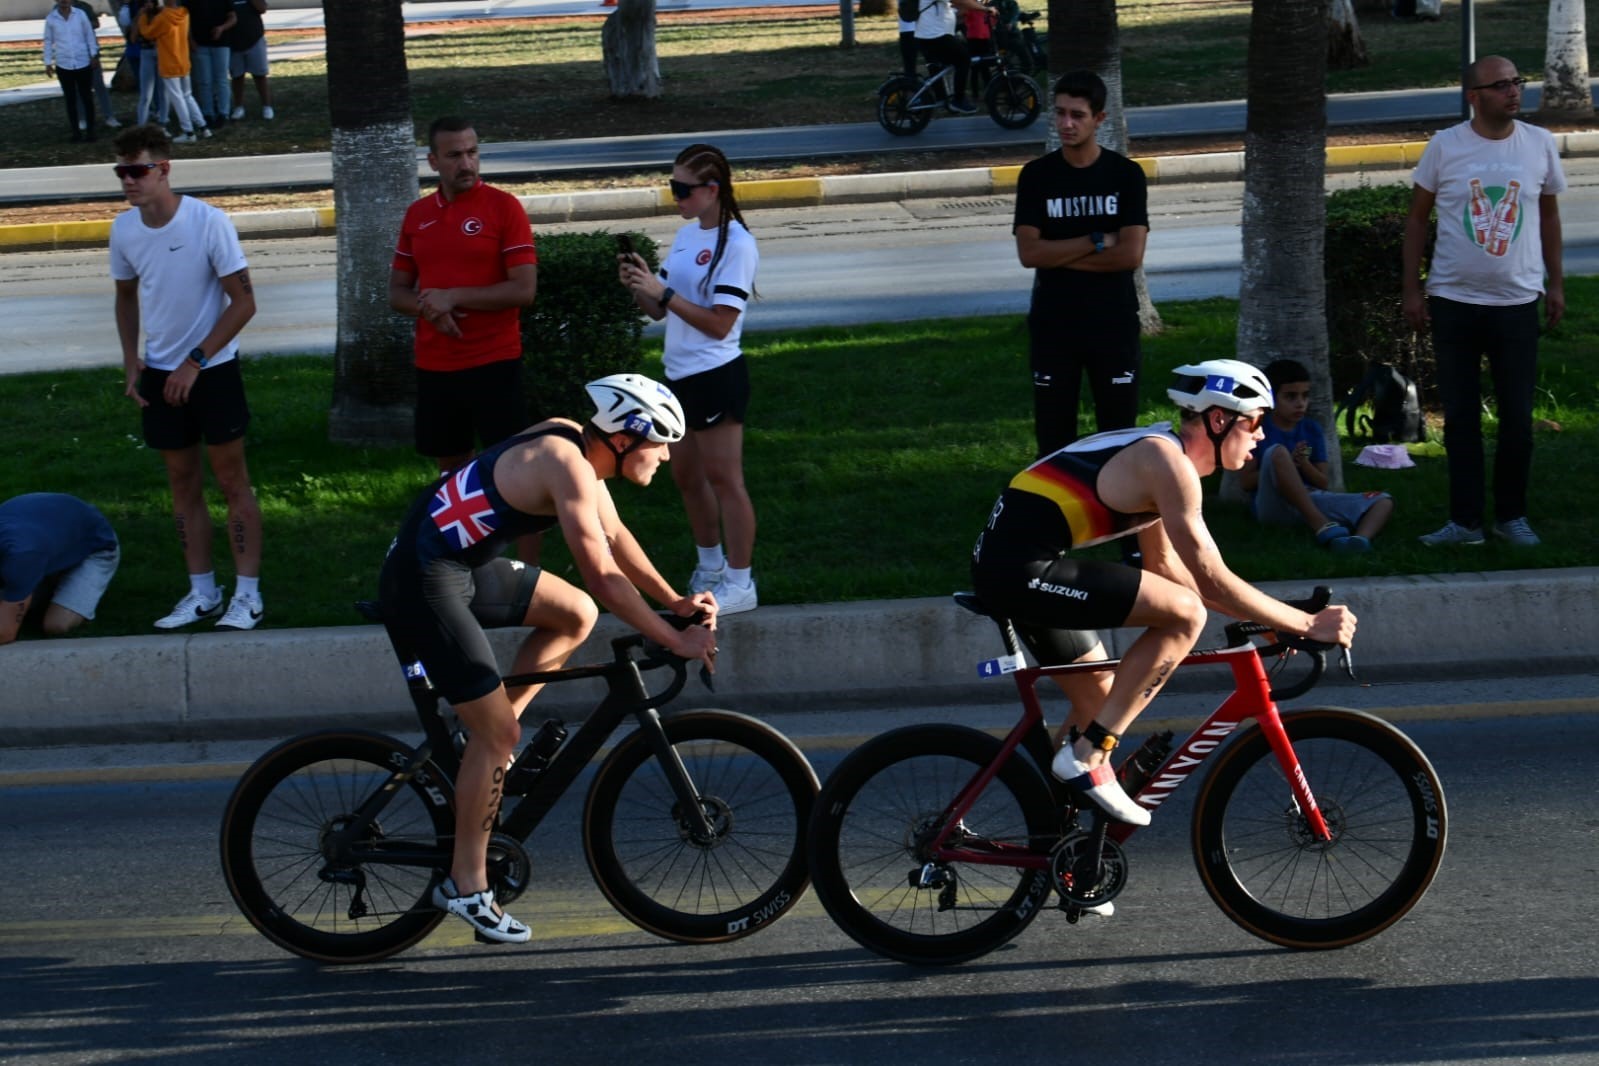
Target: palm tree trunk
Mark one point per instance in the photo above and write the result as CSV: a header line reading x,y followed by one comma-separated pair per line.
x,y
628,42
374,181
1565,65
1282,289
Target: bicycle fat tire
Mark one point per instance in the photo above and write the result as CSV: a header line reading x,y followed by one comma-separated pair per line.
x,y
757,789
894,110
271,835
863,845
1012,100
1380,796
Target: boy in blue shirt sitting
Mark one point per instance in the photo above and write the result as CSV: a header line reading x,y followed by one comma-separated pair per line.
x,y
1288,472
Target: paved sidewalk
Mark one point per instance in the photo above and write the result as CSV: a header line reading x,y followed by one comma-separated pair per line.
x,y
213,685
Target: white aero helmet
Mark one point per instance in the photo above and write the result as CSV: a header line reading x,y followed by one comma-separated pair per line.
x,y
1231,384
632,403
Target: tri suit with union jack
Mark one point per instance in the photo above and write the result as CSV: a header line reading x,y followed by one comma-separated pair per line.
x,y
445,578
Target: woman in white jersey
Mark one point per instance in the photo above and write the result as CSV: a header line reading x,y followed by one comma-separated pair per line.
x,y
701,291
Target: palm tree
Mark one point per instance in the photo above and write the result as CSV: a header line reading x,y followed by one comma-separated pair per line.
x,y
1565,65
374,181
1084,35
628,43
1282,288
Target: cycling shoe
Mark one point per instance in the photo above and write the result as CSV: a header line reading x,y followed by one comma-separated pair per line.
x,y
479,911
1098,784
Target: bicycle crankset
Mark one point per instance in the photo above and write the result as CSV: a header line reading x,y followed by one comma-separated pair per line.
x,y
1084,878
510,868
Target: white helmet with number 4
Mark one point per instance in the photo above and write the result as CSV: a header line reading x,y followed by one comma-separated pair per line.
x,y
1231,384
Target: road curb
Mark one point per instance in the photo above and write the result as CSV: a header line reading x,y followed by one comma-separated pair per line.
x,y
603,204
211,685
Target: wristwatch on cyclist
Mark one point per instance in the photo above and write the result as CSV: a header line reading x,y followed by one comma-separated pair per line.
x,y
198,357
1099,241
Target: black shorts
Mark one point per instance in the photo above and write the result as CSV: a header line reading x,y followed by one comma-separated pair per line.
x,y
716,396
1057,605
216,413
439,614
458,410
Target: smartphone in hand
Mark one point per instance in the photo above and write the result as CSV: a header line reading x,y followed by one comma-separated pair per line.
x,y
624,243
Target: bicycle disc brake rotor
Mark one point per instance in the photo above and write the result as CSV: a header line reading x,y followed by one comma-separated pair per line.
x,y
718,815
510,868
1080,879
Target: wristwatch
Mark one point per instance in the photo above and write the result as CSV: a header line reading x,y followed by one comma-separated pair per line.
x,y
198,357
666,297
1099,241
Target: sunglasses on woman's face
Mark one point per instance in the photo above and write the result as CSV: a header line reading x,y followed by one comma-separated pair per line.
x,y
682,190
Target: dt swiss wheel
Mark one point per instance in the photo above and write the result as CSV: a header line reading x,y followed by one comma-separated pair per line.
x,y
1382,802
875,820
276,836
653,862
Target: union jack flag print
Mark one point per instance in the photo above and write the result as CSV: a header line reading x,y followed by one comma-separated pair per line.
x,y
461,510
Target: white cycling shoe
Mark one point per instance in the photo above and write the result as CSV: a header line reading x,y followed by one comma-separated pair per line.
x,y
1098,784
480,912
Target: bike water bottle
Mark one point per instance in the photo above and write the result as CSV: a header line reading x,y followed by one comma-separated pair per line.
x,y
1137,767
535,757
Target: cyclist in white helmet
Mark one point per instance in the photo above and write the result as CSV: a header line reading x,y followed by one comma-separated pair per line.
x,y
446,579
1130,482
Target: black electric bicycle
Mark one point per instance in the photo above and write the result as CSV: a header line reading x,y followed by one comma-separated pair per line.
x,y
906,103
693,827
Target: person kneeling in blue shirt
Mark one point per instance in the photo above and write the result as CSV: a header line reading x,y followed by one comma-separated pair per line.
x,y
57,544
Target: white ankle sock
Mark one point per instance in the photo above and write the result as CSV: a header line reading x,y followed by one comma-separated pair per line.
x,y
711,558
204,585
247,586
739,577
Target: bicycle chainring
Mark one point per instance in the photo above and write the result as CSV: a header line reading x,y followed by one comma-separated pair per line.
x,y
1082,880
510,868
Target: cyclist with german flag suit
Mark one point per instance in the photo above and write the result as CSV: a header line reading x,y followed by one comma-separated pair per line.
x,y
1142,483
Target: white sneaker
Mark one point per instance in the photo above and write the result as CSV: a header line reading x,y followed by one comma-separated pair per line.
x,y
205,131
1098,784
703,580
1102,910
237,113
1453,533
244,612
733,599
112,123
183,138
1517,532
192,608
268,114
480,912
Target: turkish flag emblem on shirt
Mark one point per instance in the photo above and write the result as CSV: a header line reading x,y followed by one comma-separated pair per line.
x,y
461,509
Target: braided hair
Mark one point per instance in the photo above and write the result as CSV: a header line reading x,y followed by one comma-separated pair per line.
x,y
707,163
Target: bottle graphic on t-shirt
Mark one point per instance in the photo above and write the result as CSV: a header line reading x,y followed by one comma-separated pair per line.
x,y
1481,212
1503,224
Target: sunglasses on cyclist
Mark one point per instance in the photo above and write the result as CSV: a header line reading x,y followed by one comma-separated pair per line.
x,y
133,171
682,190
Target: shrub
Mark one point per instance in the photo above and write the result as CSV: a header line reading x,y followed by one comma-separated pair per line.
x,y
583,325
1365,323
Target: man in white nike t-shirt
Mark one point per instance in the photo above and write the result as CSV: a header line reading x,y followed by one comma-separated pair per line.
x,y
181,275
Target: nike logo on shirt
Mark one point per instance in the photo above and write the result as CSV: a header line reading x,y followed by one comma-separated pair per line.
x,y
173,247
712,419
428,223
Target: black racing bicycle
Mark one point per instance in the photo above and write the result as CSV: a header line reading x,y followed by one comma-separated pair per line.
x,y
693,827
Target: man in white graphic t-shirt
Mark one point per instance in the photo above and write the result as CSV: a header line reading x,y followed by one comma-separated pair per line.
x,y
181,276
1494,181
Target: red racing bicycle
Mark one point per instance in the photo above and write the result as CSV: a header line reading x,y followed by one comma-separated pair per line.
x,y
1315,828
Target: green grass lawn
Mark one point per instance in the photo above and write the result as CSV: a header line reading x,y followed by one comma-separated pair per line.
x,y
544,79
873,456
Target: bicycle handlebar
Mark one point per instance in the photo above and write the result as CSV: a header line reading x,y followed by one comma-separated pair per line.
x,y
1319,598
657,655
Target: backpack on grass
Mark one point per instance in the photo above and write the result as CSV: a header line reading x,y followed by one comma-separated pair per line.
x,y
1395,407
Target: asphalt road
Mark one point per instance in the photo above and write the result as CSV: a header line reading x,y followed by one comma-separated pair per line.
x,y
120,942
838,265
